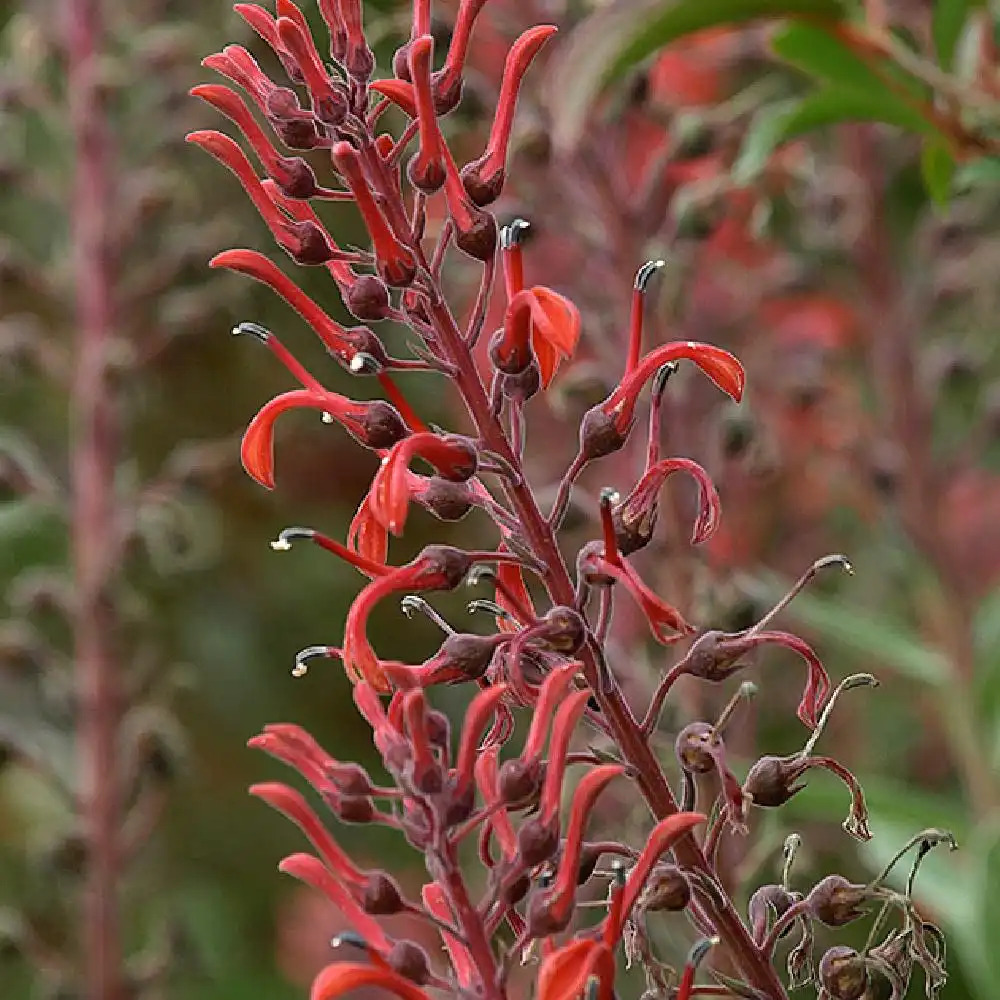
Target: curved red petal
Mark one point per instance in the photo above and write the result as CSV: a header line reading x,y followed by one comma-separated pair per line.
x,y
342,977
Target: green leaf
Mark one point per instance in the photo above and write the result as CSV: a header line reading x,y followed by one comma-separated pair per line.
x,y
616,38
819,54
937,166
979,173
830,106
947,23
855,629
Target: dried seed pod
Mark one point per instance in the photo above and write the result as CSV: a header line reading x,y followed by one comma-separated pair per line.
x,y
693,748
667,889
843,973
835,902
772,781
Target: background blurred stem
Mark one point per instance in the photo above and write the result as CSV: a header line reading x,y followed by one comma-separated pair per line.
x,y
94,450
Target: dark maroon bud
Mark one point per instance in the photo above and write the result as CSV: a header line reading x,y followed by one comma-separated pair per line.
x,y
843,973
835,902
294,177
710,660
636,534
355,809
536,842
366,344
771,782
331,109
298,133
349,779
479,238
598,435
565,630
401,63
368,298
382,424
428,779
460,805
438,729
469,653
410,961
282,104
426,174
542,920
525,384
521,782
513,893
310,246
446,500
446,98
482,191
693,747
359,61
666,890
382,896
451,563
68,855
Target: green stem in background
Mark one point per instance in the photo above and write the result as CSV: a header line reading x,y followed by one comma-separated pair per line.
x,y
94,450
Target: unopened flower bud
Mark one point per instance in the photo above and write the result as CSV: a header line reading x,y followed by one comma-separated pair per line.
x,y
460,804
349,779
368,298
446,500
521,782
599,435
843,973
835,902
478,238
410,961
438,729
401,63
355,809
381,425
666,890
382,896
536,842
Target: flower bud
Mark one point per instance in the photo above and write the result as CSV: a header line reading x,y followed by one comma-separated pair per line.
x,y
410,961
382,896
467,653
482,191
401,63
692,747
843,973
599,435
666,890
521,782
355,809
446,500
349,779
536,842
381,425
772,781
543,921
565,630
368,298
460,804
523,385
835,902
478,237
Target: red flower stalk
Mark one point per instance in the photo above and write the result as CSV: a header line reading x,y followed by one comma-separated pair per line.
x,y
487,774
426,169
293,806
635,516
437,567
484,179
660,615
311,870
292,174
639,289
395,262
453,457
302,241
448,82
553,909
665,834
345,977
436,902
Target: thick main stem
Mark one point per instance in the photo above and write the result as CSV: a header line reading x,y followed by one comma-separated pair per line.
x,y
628,735
94,448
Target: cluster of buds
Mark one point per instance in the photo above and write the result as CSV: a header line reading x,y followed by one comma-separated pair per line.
x,y
552,659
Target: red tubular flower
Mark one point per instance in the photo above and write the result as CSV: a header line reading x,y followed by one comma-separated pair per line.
x,y
448,81
477,715
436,903
566,972
567,716
293,746
374,424
334,20
539,322
659,614
512,594
665,834
437,567
635,516
719,365
358,59
366,536
395,262
311,870
329,103
484,178
236,64
369,567
555,906
426,169
399,92
292,174
452,456
300,240
475,230
639,290
293,806
344,977
487,775
550,696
